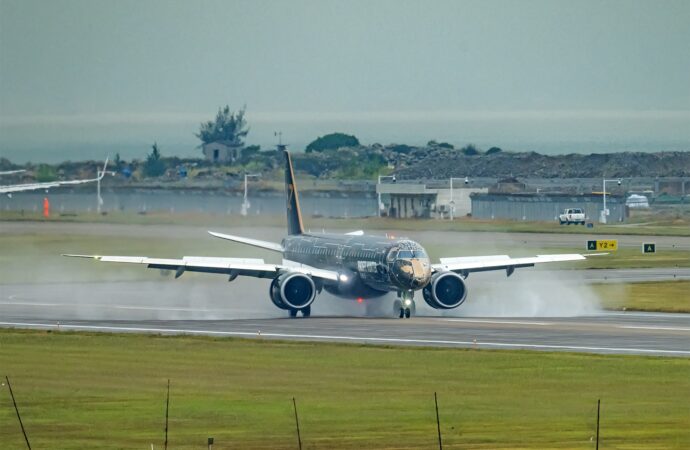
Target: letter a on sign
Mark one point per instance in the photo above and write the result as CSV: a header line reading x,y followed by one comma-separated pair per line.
x,y
649,247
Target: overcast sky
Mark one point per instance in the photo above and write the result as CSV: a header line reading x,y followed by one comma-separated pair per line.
x,y
129,66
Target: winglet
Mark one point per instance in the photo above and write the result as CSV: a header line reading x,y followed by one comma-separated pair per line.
x,y
102,174
81,256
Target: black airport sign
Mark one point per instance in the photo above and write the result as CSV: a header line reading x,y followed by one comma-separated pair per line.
x,y
649,247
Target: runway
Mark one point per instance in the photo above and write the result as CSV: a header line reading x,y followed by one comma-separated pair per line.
x,y
553,310
549,318
613,333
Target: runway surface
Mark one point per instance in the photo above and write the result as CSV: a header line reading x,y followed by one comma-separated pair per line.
x,y
554,317
533,309
621,333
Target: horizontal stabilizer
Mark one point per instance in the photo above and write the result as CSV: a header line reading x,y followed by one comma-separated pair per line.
x,y
254,242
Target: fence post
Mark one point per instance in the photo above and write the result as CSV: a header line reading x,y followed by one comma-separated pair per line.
x,y
598,408
167,407
299,438
9,386
438,424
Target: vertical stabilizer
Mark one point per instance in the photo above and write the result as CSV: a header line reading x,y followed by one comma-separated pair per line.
x,y
294,215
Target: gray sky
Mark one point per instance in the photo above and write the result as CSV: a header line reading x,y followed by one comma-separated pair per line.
x,y
91,72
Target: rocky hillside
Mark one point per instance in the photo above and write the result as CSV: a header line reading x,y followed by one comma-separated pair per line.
x,y
444,163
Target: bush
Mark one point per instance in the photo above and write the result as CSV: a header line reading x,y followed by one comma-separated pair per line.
x,y
470,150
332,141
493,150
154,167
46,173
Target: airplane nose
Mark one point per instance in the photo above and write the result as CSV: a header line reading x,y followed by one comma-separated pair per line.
x,y
412,273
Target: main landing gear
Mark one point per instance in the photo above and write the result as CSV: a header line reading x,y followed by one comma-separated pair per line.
x,y
306,312
404,305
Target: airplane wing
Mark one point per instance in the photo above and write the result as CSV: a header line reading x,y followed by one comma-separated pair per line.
x,y
27,187
465,265
233,267
8,189
255,242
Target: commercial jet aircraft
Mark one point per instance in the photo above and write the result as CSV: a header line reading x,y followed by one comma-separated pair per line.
x,y
9,189
351,266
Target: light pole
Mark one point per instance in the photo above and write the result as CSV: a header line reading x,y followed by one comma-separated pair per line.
x,y
245,203
605,211
378,191
452,202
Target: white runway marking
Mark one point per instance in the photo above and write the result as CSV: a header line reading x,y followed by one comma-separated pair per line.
x,y
638,327
644,314
132,307
512,322
350,338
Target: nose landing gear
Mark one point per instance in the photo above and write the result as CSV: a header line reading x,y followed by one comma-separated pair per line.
x,y
404,306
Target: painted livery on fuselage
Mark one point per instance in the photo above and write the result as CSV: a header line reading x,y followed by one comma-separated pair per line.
x,y
369,266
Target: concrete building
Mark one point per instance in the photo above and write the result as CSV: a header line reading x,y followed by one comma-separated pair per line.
x,y
222,152
410,200
545,207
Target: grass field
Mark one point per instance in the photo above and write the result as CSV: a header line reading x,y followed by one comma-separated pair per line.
x,y
674,227
36,257
671,296
108,391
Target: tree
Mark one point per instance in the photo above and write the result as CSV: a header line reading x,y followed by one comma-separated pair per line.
x,y
494,150
154,166
332,141
470,150
228,127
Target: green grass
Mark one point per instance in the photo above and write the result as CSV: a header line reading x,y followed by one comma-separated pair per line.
x,y
108,391
36,257
670,296
680,227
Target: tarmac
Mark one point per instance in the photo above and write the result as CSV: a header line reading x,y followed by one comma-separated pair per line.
x,y
215,308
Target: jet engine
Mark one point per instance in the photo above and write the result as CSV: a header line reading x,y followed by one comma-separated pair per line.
x,y
446,290
293,291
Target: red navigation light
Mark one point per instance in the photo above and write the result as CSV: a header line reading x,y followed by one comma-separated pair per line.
x,y
360,299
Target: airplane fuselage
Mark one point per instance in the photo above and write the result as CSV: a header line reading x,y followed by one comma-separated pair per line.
x,y
370,266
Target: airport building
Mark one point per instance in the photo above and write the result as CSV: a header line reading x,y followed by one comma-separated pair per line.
x,y
419,200
545,206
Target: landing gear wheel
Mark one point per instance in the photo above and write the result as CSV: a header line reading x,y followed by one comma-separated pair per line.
x,y
398,309
293,312
407,313
306,312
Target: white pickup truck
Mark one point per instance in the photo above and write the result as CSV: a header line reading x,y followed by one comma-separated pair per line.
x,y
572,215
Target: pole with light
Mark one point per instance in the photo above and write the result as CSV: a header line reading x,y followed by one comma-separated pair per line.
x,y
466,180
245,203
605,211
378,190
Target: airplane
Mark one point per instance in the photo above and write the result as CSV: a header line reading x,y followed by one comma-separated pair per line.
x,y
351,266
9,189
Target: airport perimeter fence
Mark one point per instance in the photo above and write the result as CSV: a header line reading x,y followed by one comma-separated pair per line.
x,y
210,440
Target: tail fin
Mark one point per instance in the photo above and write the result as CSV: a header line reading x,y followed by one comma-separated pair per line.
x,y
294,215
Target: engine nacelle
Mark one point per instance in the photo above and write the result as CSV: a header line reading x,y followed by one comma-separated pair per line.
x,y
293,291
446,290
